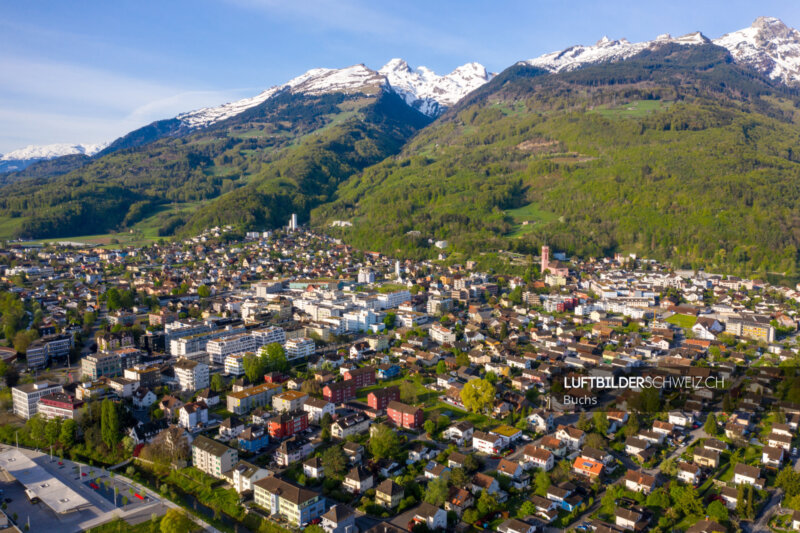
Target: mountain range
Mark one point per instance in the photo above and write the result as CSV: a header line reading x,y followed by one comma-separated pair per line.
x,y
342,144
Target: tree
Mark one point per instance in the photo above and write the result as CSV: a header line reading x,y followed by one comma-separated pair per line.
x,y
52,430
686,499
668,467
430,427
477,395
710,426
384,442
458,478
600,421
334,462
311,387
789,481
203,291
408,392
253,367
583,422
441,367
67,435
436,492
542,482
658,498
216,383
12,377
594,440
717,511
109,423
37,427
389,320
177,521
526,509
741,505
471,463
486,504
276,360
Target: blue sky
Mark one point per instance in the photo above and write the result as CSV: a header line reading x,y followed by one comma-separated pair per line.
x,y
89,71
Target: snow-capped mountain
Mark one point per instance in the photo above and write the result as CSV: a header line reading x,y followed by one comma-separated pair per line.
x,y
606,50
769,46
315,81
429,93
421,88
49,151
24,157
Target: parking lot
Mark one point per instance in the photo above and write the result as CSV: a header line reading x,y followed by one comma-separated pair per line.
x,y
100,508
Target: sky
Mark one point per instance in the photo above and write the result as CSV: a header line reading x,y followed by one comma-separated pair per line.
x,y
90,71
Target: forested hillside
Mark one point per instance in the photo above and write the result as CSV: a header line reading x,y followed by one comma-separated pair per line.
x,y
677,153
285,155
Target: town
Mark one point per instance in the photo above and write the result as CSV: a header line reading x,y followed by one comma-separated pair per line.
x,y
285,381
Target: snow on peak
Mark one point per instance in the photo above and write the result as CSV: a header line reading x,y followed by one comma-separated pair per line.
x,y
50,151
430,93
579,55
607,50
769,46
315,81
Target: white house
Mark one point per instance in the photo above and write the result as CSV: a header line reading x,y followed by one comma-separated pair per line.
x,y
193,415
143,398
316,409
432,516
535,457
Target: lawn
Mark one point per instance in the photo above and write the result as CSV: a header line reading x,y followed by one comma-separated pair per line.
x,y
207,490
118,525
682,321
632,109
531,214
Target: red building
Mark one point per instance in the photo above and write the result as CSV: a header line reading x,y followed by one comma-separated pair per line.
x,y
287,424
341,391
405,415
363,377
274,377
379,399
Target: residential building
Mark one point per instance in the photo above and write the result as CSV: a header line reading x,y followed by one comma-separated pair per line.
x,y
193,415
486,442
243,476
288,424
288,401
379,399
362,377
234,364
253,439
146,376
191,375
340,391
297,505
388,494
350,425
441,334
299,348
404,415
245,400
212,457
358,480
339,519
219,349
317,409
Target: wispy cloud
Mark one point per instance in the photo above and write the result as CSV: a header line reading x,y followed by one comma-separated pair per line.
x,y
103,104
361,19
